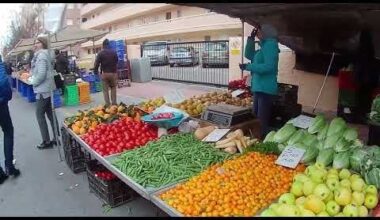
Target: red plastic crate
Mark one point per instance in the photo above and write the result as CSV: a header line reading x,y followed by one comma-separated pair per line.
x,y
346,80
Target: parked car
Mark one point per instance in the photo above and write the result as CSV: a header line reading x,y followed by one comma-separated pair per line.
x,y
215,54
184,55
157,52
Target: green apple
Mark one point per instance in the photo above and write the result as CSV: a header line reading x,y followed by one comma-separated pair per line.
x,y
308,187
332,183
351,210
358,185
345,183
287,198
333,171
310,169
323,214
322,191
274,206
268,213
332,176
342,196
332,208
307,213
370,201
371,189
363,211
314,204
329,198
296,189
358,198
340,214
344,174
287,210
300,177
354,176
318,176
300,201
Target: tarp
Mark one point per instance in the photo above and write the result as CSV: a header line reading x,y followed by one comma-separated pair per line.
x,y
68,36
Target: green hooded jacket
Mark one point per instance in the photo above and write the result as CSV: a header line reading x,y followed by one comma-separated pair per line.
x,y
264,61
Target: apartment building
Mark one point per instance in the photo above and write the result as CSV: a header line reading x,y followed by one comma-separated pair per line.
x,y
137,23
71,15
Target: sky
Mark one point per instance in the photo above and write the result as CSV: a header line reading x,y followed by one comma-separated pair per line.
x,y
6,11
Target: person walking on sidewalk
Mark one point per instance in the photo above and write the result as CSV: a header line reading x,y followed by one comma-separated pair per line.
x,y
107,59
264,70
42,80
6,125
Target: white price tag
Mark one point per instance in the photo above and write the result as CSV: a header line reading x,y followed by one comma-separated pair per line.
x,y
237,92
302,121
290,157
174,97
216,135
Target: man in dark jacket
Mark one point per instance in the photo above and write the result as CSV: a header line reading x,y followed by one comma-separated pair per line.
x,y
6,126
107,59
61,63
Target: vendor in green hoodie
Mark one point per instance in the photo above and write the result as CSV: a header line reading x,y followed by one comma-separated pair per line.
x,y
264,70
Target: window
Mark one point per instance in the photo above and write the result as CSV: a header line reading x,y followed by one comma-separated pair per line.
x,y
179,13
168,15
207,38
93,16
69,22
89,51
84,20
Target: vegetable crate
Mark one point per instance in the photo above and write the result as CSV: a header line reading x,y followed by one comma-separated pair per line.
x,y
71,95
84,92
75,158
114,192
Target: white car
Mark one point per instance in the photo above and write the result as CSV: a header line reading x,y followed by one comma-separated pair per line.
x,y
157,52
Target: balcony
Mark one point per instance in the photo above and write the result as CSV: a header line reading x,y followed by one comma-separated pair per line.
x,y
91,7
182,25
122,12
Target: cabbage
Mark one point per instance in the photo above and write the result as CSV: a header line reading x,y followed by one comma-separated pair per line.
x,y
350,134
357,144
319,145
374,151
310,140
323,133
297,137
342,160
337,125
373,177
342,145
310,155
300,146
356,158
326,157
284,133
331,141
318,124
281,147
269,137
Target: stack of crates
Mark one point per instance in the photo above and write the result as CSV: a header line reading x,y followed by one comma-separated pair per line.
x,y
71,96
119,47
57,98
84,92
91,79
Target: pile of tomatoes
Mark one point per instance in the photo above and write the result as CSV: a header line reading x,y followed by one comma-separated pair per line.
x,y
123,134
105,175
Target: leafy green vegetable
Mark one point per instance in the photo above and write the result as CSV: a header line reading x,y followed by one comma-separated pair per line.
x,y
318,124
310,155
342,160
342,145
269,137
281,147
331,141
350,134
310,140
297,137
265,148
374,151
375,110
356,159
323,133
284,133
357,144
300,146
326,157
337,125
373,177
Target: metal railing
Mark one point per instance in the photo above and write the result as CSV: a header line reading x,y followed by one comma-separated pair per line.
x,y
204,62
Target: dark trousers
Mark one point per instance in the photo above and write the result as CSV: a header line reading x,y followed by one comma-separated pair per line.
x,y
262,108
44,107
7,127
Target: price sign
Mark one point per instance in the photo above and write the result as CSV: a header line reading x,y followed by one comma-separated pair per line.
x,y
174,97
290,157
302,121
216,135
237,92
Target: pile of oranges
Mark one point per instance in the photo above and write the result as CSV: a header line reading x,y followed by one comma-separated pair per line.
x,y
238,187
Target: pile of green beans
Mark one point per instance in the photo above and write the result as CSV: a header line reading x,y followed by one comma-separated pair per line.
x,y
169,160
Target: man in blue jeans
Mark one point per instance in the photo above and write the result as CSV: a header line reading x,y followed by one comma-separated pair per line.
x,y
6,125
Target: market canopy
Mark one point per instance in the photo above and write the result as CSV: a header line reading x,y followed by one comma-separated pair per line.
x,y
68,36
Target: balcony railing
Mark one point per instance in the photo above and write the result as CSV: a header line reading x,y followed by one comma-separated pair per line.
x,y
122,12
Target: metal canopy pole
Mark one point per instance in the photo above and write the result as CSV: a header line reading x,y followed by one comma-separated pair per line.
x,y
324,82
242,46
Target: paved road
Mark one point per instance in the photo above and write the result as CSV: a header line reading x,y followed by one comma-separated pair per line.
x,y
192,74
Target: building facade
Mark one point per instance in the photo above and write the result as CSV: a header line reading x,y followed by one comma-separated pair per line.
x,y
71,15
137,23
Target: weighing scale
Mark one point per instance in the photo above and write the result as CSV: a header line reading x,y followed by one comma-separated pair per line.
x,y
227,115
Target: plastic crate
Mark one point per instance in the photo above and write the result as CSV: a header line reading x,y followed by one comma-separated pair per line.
x,y
14,82
24,90
31,96
74,156
19,89
98,86
71,96
84,92
69,79
113,192
57,98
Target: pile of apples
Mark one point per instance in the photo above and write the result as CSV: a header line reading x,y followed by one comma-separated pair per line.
x,y
322,192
